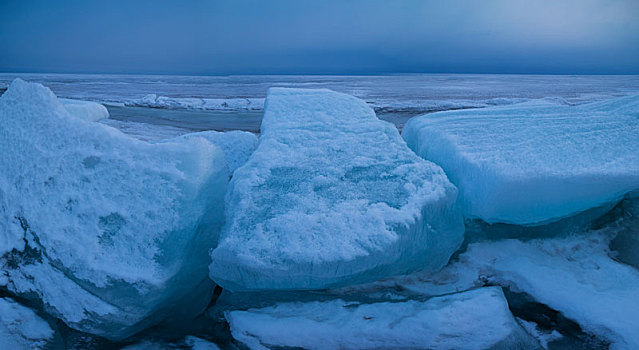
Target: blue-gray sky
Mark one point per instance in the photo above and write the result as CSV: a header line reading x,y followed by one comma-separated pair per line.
x,y
319,37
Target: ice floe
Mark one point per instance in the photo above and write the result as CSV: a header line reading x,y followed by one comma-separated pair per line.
x,y
332,194
117,230
534,162
477,319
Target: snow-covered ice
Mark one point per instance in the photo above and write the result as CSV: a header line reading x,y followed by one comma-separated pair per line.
x,y
332,194
87,110
111,233
535,162
477,319
21,328
573,275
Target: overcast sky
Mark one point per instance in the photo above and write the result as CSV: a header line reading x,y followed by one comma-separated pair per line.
x,y
342,37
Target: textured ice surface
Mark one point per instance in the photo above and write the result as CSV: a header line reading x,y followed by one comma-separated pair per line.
x,y
477,319
534,162
87,110
332,194
21,328
116,230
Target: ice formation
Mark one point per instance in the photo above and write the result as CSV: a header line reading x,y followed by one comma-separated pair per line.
x,y
87,110
108,232
332,194
230,104
21,328
236,145
572,275
477,319
535,162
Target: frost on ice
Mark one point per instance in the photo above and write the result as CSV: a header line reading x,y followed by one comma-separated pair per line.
x,y
477,319
87,110
116,230
332,194
21,328
535,162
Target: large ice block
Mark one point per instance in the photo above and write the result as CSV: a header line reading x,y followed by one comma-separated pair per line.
x,y
87,110
331,195
534,162
110,233
477,319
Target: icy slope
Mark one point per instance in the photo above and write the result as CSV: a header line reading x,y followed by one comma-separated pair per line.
x,y
477,319
332,194
534,162
117,230
21,328
87,110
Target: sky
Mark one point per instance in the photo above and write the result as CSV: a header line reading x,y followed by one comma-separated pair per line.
x,y
320,37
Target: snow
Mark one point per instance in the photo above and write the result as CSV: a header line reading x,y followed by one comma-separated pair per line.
x,y
228,104
477,319
21,328
117,230
534,162
332,195
87,110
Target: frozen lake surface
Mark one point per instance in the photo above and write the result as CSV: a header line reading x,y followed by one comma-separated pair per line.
x,y
197,103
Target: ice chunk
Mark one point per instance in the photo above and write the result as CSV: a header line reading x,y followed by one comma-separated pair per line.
x,y
21,328
477,319
332,194
87,110
572,275
117,230
534,162
237,145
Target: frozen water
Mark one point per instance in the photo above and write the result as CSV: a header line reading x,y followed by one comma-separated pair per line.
x,y
87,110
116,230
535,162
332,194
21,328
236,145
572,275
477,319
234,104
407,92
